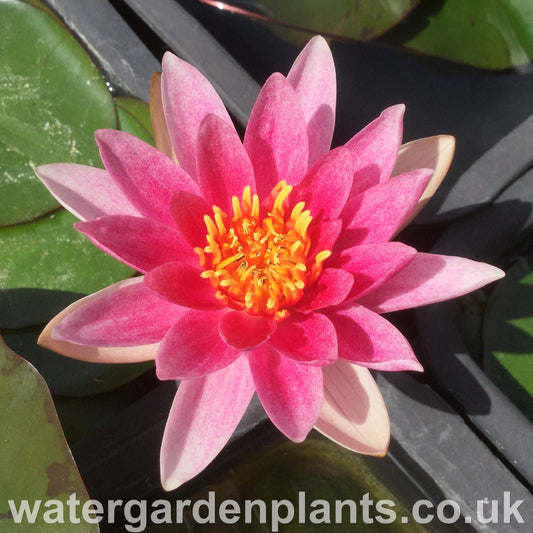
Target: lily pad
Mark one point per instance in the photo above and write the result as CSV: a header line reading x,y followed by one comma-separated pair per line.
x,y
134,117
508,336
352,20
49,257
35,461
489,34
53,98
69,377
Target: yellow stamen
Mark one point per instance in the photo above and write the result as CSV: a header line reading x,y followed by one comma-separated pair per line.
x,y
259,264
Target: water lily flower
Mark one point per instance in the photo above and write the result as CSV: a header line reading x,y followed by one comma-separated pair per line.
x,y
266,263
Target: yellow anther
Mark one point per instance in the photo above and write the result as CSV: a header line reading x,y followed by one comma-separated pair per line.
x,y
297,210
247,199
280,198
237,212
322,256
256,264
220,223
255,206
210,225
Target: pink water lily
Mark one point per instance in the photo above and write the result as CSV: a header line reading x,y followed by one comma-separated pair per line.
x,y
266,263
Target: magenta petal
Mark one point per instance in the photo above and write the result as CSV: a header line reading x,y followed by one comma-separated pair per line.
x,y
181,284
331,288
127,314
147,177
375,215
276,136
86,192
354,414
224,169
367,339
375,149
193,347
204,414
244,331
430,278
313,77
188,98
327,185
372,264
307,338
291,392
188,212
141,243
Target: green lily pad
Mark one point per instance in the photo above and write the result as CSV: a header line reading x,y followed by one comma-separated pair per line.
x,y
508,336
48,257
52,100
134,117
352,20
69,377
35,461
490,34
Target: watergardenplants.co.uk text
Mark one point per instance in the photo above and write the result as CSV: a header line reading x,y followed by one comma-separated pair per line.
x,y
135,515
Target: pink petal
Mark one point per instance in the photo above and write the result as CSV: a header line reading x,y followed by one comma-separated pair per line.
x,y
181,284
354,413
193,347
125,314
375,149
188,212
376,214
313,77
157,116
141,243
244,331
367,339
147,177
96,354
371,264
188,98
86,192
204,414
223,166
331,288
430,278
308,339
291,392
435,153
276,136
327,185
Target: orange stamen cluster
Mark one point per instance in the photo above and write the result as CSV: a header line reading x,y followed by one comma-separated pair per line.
x,y
259,263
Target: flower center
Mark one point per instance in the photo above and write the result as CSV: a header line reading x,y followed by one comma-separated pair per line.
x,y
258,263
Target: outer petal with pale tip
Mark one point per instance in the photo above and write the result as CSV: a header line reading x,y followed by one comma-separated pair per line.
x,y
435,153
115,308
354,414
